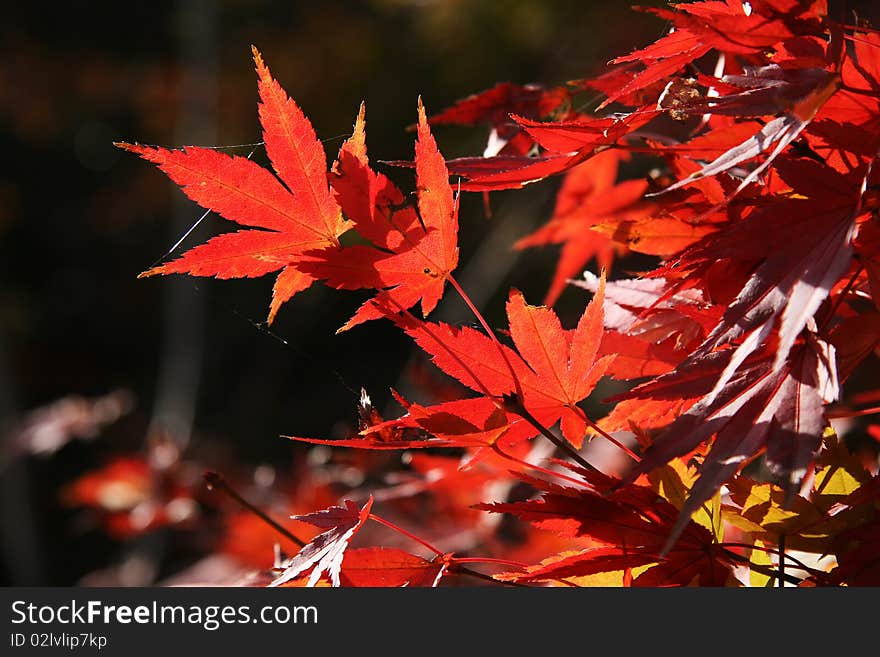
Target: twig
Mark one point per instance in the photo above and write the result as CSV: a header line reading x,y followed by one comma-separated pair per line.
x,y
216,481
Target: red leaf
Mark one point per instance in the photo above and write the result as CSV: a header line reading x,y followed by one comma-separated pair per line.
x,y
806,248
810,95
554,368
506,172
588,196
295,214
389,567
494,106
417,252
633,521
758,406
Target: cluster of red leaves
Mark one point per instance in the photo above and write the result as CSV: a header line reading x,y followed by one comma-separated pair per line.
x,y
736,346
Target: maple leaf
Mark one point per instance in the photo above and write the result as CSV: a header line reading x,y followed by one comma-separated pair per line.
x,y
588,196
553,368
292,213
416,252
731,27
566,143
488,174
760,406
811,89
798,246
389,567
849,122
460,423
648,331
630,525
644,308
494,107
836,515
325,552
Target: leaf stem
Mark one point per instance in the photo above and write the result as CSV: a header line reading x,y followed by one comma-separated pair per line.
x,y
515,404
487,578
501,562
452,561
491,334
764,570
841,413
409,535
797,562
216,481
842,295
595,427
533,466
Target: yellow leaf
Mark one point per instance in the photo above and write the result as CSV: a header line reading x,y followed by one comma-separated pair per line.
x,y
760,558
834,480
612,578
763,505
674,481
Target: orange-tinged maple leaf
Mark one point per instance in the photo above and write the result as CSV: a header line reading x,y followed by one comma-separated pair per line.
x,y
412,253
588,196
553,368
292,213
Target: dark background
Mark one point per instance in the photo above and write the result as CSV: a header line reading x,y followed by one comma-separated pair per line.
x,y
80,219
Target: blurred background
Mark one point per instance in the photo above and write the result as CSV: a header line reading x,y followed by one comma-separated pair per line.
x,y
104,377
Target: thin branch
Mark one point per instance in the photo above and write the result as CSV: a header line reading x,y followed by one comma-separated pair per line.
x,y
780,578
216,481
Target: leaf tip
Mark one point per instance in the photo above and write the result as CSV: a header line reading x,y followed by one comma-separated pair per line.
x,y
360,123
262,69
600,290
138,149
423,119
274,306
514,296
153,271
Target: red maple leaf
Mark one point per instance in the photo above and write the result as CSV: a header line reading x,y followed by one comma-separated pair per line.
x,y
389,567
496,105
759,407
729,27
588,196
630,525
412,251
292,213
552,368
